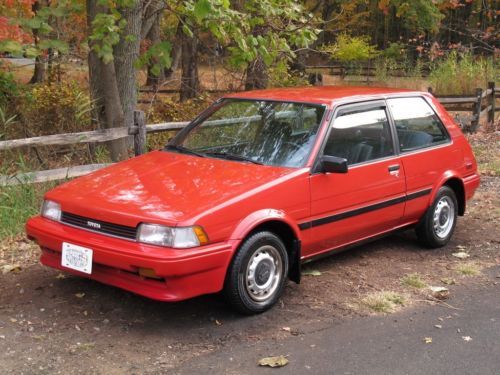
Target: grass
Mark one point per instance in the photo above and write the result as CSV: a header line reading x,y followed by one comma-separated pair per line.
x,y
413,280
17,204
468,269
383,301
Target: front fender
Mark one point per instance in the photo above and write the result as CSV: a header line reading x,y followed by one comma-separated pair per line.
x,y
259,217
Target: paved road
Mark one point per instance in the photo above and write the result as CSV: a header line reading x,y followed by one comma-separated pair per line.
x,y
19,61
392,344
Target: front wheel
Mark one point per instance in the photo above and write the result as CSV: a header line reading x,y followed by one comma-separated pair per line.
x,y
257,275
437,226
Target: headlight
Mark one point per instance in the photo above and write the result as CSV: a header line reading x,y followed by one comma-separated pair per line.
x,y
175,237
51,210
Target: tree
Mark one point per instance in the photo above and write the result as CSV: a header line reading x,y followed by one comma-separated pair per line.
x,y
39,71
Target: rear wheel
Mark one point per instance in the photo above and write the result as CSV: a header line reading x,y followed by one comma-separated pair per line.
x,y
257,275
437,226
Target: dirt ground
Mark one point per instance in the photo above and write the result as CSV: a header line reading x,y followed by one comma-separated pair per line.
x,y
53,323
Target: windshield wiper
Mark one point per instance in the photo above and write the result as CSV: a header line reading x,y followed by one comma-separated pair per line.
x,y
184,150
226,155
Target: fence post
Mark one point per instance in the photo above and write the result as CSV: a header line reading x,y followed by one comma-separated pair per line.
x,y
491,112
140,133
476,111
429,89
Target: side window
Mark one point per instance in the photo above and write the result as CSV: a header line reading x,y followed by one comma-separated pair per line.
x,y
416,123
360,136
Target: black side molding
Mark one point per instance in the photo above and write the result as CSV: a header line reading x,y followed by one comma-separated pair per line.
x,y
362,210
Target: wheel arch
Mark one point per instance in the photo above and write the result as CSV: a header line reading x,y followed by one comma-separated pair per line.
x,y
453,180
279,223
457,185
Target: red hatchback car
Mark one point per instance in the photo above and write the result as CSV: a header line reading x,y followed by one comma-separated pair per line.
x,y
257,184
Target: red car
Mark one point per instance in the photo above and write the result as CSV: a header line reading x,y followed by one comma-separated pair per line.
x,y
257,184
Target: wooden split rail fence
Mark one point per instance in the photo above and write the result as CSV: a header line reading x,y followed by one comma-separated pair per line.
x,y
482,103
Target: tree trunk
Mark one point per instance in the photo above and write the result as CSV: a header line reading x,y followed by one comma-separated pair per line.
x,y
108,111
190,83
154,36
176,53
39,72
257,76
126,53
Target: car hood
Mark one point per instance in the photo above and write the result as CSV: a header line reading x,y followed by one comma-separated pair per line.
x,y
162,187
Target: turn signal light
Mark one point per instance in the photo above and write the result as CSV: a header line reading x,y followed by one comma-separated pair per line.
x,y
148,272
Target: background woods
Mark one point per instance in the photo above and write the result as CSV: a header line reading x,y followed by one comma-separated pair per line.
x,y
73,73
74,65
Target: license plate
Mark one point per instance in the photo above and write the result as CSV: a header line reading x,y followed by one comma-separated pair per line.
x,y
76,257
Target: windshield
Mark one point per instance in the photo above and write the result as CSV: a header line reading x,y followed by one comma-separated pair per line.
x,y
257,131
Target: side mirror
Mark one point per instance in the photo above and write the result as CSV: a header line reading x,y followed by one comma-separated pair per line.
x,y
333,164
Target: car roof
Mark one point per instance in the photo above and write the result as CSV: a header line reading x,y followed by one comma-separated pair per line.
x,y
320,94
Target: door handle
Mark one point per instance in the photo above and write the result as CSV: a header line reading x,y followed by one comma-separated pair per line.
x,y
393,168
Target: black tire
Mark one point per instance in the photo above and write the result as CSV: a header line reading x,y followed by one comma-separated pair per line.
x,y
259,259
429,230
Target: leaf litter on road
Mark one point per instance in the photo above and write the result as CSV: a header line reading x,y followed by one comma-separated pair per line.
x,y
278,361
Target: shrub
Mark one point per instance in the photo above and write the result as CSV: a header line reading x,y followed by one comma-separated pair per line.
x,y
168,110
351,48
460,73
8,88
281,76
56,108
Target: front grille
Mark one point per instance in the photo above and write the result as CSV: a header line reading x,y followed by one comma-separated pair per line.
x,y
99,226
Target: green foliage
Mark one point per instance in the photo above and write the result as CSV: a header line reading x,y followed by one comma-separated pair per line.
x,y
396,51
351,48
41,23
280,76
65,106
158,55
461,73
269,29
419,15
8,88
106,34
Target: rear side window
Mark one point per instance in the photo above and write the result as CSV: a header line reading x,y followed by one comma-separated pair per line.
x,y
416,123
360,136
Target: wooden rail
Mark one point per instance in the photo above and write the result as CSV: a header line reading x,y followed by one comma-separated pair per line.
x,y
482,103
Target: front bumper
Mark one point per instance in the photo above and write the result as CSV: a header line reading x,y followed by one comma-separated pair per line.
x,y
182,273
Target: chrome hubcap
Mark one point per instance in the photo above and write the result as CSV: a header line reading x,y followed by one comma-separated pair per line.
x,y
263,274
444,217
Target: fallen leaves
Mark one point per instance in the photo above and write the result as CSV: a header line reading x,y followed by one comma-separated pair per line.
x,y
278,361
440,292
428,340
467,338
79,295
461,255
10,268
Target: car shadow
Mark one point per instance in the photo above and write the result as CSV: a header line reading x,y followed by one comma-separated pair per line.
x,y
131,312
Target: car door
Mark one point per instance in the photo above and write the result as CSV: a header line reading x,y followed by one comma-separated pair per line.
x,y
425,150
369,198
